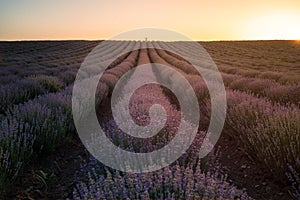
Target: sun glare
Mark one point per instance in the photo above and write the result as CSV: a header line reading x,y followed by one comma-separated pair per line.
x,y
275,26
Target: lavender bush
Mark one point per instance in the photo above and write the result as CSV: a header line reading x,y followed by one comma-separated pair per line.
x,y
32,128
19,92
268,132
280,77
48,125
16,148
7,79
68,77
26,89
276,92
50,83
172,182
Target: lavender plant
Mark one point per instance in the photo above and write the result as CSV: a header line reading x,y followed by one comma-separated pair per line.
x,y
16,148
68,76
268,132
50,83
172,182
26,89
19,92
32,128
276,92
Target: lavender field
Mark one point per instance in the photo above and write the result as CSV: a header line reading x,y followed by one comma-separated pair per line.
x,y
256,157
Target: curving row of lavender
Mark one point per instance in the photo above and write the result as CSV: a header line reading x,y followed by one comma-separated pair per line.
x,y
184,179
36,118
264,115
276,60
264,87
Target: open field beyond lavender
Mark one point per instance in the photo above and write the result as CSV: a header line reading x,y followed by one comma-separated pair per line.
x,y
256,157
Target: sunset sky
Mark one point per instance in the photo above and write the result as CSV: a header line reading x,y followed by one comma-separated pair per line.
x,y
101,19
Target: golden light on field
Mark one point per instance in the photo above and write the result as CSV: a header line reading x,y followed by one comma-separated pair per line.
x,y
274,26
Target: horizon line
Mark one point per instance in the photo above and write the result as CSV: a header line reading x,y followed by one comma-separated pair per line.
x,y
58,40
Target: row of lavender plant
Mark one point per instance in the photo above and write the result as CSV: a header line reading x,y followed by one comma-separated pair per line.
x,y
111,76
195,81
188,52
140,102
183,179
279,77
61,60
271,89
35,127
260,59
269,132
276,92
28,88
107,81
111,48
188,71
172,182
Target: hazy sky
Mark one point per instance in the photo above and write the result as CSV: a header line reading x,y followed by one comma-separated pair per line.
x,y
199,20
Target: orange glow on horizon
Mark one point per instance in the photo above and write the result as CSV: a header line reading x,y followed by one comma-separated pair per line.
x,y
199,20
